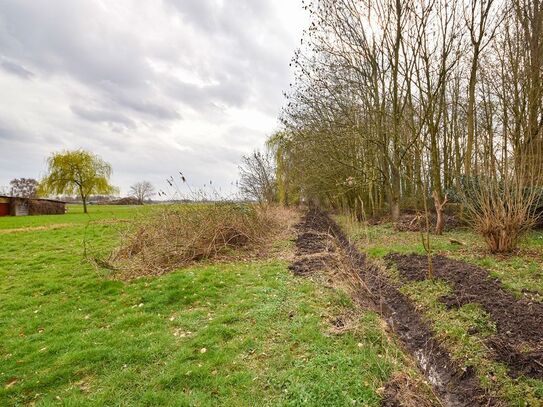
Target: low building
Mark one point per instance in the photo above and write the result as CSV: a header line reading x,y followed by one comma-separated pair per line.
x,y
16,206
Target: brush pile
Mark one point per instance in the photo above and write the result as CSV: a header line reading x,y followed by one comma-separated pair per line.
x,y
178,235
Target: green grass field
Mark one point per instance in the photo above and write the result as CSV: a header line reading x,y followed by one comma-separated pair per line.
x,y
236,334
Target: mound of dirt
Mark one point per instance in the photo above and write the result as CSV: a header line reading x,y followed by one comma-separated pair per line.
x,y
453,385
519,322
313,248
416,222
130,200
310,264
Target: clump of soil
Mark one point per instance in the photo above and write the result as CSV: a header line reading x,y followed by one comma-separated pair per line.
x,y
310,242
313,248
527,363
310,264
519,322
416,222
454,386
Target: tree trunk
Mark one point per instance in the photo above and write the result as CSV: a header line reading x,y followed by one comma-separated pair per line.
x,y
470,115
83,198
395,209
440,205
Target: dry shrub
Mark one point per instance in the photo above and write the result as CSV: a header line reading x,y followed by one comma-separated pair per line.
x,y
178,235
501,211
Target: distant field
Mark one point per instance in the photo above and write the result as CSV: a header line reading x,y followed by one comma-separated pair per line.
x,y
236,334
74,215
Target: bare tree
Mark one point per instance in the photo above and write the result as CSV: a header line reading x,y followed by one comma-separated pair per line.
x,y
257,177
142,191
24,187
481,29
396,102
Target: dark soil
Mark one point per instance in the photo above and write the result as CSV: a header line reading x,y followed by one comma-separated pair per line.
x,y
519,322
313,249
310,242
309,265
416,222
454,386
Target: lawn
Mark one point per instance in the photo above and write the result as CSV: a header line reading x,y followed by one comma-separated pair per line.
x,y
234,334
464,330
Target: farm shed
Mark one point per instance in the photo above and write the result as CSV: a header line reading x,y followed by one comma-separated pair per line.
x,y
16,206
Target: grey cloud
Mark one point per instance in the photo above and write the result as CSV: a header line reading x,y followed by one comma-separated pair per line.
x,y
11,135
152,109
17,69
208,97
201,12
67,38
210,17
103,116
70,41
244,136
254,58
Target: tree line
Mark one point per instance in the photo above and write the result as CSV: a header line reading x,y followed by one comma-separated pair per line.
x,y
399,103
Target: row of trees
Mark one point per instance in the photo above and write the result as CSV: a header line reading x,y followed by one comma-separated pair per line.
x,y
78,173
397,101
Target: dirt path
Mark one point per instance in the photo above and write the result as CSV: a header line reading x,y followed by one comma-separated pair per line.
x,y
518,342
454,387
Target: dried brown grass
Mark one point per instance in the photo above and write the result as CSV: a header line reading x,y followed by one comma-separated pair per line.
x,y
179,235
402,390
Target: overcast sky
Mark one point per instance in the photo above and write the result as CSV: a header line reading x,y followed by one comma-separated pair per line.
x,y
154,87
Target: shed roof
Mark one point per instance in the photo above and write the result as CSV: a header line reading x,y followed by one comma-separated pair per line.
x,y
32,199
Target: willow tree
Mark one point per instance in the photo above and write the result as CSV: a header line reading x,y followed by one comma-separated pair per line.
x,y
79,173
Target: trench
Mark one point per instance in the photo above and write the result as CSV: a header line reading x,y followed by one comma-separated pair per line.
x,y
453,385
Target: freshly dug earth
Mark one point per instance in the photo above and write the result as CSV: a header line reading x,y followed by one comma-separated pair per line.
x,y
454,386
519,322
313,252
414,223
